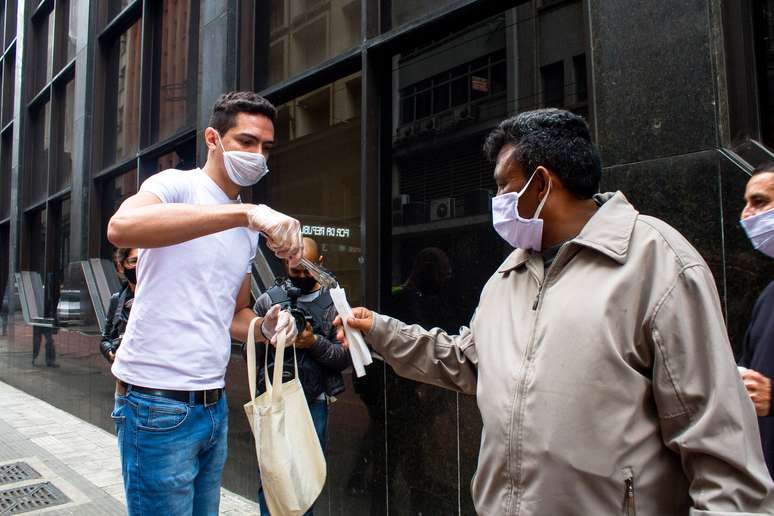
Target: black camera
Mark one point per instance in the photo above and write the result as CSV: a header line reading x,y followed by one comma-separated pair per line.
x,y
300,315
109,346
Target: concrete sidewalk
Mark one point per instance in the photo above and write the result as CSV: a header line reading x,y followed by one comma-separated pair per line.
x,y
54,463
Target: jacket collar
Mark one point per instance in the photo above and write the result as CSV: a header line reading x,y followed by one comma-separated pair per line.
x,y
608,232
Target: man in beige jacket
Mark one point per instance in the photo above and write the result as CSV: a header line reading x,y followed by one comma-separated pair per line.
x,y
598,352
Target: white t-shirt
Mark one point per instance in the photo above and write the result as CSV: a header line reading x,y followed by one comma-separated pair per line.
x,y
177,336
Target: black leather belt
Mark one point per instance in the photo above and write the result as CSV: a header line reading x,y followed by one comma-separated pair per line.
x,y
206,398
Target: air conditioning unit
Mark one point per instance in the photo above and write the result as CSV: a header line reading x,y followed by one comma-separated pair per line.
x,y
427,125
404,132
441,209
465,113
415,213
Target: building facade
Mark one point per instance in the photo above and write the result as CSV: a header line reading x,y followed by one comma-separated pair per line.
x,y
383,107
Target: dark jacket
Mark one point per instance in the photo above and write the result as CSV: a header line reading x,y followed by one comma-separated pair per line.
x,y
320,366
116,319
758,355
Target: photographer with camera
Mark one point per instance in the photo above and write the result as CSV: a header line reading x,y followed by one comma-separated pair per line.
x,y
125,260
321,358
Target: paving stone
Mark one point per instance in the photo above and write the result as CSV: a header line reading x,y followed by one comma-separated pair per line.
x,y
76,454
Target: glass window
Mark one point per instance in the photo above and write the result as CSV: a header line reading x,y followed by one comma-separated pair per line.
x,y
182,158
64,141
5,243
10,21
9,87
122,96
49,47
36,241
43,48
39,146
61,250
71,37
170,160
327,203
175,88
112,193
304,33
5,176
2,27
553,84
116,6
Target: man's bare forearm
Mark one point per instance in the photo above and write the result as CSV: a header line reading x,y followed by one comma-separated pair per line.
x,y
241,323
159,225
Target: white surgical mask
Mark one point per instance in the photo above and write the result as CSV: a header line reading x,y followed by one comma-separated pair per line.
x,y
760,231
244,168
519,232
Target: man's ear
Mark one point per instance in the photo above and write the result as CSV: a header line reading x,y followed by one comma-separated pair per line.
x,y
211,138
544,177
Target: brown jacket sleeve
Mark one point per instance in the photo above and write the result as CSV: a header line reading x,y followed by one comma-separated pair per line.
x,y
704,411
427,356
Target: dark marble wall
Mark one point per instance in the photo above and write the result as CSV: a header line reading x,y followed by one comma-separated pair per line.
x,y
653,79
701,195
658,125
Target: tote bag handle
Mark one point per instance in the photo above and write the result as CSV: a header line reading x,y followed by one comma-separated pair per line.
x,y
279,358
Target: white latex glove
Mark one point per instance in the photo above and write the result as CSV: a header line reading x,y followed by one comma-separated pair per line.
x,y
277,321
283,233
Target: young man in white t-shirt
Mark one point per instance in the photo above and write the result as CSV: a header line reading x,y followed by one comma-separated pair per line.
x,y
196,243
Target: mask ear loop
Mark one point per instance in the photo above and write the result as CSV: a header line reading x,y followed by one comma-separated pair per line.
x,y
524,189
220,142
545,198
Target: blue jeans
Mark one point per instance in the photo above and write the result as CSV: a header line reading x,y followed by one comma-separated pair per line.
x,y
172,454
319,411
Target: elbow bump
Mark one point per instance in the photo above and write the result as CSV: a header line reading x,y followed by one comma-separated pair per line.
x,y
115,234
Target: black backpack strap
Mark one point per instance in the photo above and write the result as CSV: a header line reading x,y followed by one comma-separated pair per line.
x,y
325,300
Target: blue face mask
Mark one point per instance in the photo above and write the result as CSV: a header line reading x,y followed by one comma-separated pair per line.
x,y
760,231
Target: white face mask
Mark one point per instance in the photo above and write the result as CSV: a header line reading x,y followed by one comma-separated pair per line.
x,y
519,232
244,168
760,231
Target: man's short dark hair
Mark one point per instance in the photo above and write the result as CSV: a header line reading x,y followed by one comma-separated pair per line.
x,y
764,167
229,105
556,139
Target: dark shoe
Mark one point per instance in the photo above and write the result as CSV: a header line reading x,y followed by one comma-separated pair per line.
x,y
52,365
33,363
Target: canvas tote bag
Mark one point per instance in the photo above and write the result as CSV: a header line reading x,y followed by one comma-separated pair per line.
x,y
289,452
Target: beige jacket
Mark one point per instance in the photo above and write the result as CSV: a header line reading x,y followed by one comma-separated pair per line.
x,y
606,384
